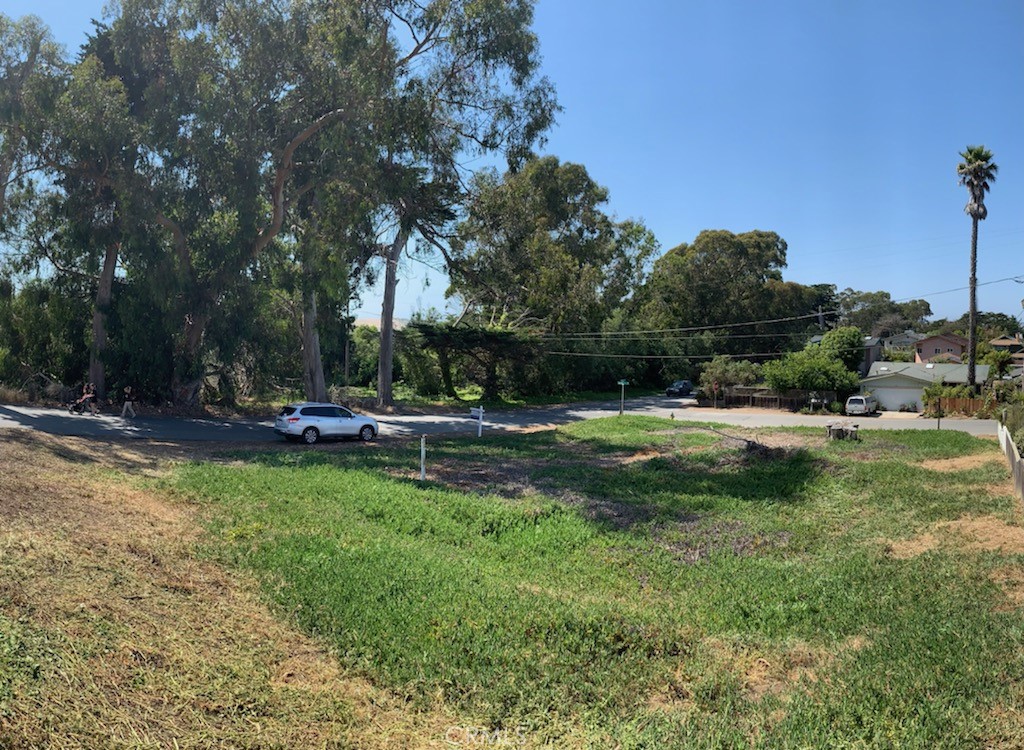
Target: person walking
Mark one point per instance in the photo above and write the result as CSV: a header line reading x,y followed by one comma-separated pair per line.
x,y
92,398
129,402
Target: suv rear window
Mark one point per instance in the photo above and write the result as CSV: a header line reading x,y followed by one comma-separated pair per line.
x,y
287,411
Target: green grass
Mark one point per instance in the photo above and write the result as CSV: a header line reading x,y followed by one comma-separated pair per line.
x,y
407,398
630,598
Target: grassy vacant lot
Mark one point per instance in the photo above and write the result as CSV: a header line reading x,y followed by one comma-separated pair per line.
x,y
627,582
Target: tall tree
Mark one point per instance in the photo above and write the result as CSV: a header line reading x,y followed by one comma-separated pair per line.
x,y
731,286
879,314
977,172
537,250
466,83
243,109
72,217
30,63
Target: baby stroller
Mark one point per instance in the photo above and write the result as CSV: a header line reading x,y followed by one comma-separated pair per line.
x,y
79,405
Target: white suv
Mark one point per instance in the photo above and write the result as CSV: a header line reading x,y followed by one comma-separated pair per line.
x,y
312,421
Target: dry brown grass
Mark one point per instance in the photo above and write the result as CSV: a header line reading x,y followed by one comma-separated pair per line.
x,y
763,672
971,534
962,463
138,641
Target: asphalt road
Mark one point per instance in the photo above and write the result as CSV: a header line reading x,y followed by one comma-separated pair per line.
x,y
59,422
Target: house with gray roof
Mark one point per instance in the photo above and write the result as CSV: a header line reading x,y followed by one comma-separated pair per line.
x,y
905,341
899,384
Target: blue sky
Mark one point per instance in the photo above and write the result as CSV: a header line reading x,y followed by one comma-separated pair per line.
x,y
837,125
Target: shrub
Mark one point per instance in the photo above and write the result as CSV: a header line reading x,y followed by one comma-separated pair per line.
x,y
9,395
1013,419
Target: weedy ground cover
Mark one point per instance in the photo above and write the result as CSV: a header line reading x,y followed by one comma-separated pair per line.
x,y
639,583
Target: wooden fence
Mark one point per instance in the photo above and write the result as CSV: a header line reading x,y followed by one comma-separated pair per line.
x,y
962,405
1013,456
763,400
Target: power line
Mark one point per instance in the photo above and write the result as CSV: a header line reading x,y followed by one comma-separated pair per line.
x,y
691,329
625,335
659,356
690,356
1019,278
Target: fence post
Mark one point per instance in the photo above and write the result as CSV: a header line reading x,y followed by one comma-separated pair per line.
x,y
477,412
1014,459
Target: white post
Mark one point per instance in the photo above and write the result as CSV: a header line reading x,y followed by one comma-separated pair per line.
x,y
423,458
480,423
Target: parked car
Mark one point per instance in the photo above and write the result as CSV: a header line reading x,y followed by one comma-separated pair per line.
x,y
861,405
311,422
680,388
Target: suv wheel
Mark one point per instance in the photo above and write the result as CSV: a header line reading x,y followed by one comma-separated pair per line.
x,y
366,433
310,435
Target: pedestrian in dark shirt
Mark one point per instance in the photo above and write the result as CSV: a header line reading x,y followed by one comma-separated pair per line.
x,y
129,402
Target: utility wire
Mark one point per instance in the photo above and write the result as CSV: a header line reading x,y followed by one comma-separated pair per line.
x,y
690,329
584,335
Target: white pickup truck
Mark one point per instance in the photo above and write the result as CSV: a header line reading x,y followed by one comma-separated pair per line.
x,y
861,405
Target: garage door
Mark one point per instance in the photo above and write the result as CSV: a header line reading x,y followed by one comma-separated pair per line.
x,y
891,398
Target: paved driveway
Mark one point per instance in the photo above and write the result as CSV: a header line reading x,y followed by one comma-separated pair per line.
x,y
59,422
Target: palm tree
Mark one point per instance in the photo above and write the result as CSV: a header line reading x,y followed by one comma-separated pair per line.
x,y
977,172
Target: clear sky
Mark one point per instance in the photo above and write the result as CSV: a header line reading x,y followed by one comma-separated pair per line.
x,y
836,124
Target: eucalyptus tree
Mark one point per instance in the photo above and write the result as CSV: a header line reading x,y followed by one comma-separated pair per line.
x,y
70,217
330,246
30,65
536,253
416,204
537,250
977,172
244,109
719,278
466,83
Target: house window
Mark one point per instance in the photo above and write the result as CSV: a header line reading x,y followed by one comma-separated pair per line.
x,y
938,351
949,349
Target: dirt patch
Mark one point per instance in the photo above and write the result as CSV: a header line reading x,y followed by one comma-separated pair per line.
x,y
775,672
534,428
961,463
797,665
973,533
692,539
148,643
998,489
1011,581
505,480
645,455
787,440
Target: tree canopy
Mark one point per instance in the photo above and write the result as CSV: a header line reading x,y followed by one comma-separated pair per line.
x,y
537,250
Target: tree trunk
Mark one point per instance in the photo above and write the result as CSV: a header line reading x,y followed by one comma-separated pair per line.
x,y
491,381
444,363
385,393
312,362
99,321
6,169
972,325
188,366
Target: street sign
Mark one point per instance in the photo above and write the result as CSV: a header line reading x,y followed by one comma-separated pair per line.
x,y
623,382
